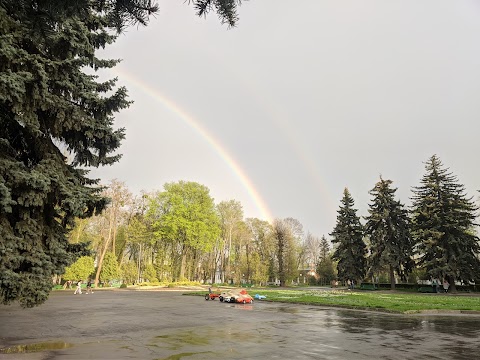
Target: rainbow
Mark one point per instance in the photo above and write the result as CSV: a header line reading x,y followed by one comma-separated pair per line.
x,y
281,120
213,142
296,144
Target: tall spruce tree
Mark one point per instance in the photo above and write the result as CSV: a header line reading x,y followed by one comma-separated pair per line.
x,y
324,248
48,106
443,223
388,228
347,236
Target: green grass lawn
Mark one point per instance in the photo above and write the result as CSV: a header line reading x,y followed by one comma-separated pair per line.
x,y
382,301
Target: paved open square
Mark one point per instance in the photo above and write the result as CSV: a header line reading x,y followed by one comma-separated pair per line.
x,y
169,325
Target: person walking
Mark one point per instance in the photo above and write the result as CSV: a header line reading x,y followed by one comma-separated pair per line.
x,y
446,285
89,287
78,290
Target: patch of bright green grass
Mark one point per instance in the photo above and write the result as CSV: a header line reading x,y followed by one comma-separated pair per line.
x,y
392,302
396,302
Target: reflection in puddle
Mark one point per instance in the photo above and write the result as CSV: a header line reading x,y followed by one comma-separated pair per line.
x,y
289,309
243,306
37,347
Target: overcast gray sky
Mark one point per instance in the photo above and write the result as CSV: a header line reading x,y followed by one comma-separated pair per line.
x,y
300,100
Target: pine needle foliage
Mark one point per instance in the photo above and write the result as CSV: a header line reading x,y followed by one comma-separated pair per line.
x,y
226,9
444,222
347,237
55,120
388,229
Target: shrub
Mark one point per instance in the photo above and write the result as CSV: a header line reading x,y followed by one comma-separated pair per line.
x,y
80,269
110,270
129,272
150,274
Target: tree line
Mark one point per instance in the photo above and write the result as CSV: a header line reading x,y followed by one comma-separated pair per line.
x,y
436,237
180,234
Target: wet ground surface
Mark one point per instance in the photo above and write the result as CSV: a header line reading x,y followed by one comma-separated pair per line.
x,y
168,325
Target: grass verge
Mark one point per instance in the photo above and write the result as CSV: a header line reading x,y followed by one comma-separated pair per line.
x,y
380,301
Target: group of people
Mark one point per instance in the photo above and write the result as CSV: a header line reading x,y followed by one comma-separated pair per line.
x,y
78,290
445,284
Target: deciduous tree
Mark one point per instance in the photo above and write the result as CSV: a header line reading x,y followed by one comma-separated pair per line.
x,y
263,249
149,273
231,217
184,215
118,196
128,272
286,233
312,250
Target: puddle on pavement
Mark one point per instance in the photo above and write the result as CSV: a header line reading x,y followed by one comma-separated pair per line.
x,y
36,347
207,336
182,355
178,340
288,309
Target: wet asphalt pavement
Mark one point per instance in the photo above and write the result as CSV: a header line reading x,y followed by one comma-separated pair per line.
x,y
168,325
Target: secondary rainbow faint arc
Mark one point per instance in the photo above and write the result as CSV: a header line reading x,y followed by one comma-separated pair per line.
x,y
214,143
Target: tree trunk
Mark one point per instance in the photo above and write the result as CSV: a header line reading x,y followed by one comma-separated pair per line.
x,y
228,268
100,261
183,263
392,278
247,253
223,267
114,236
453,287
139,266
215,265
